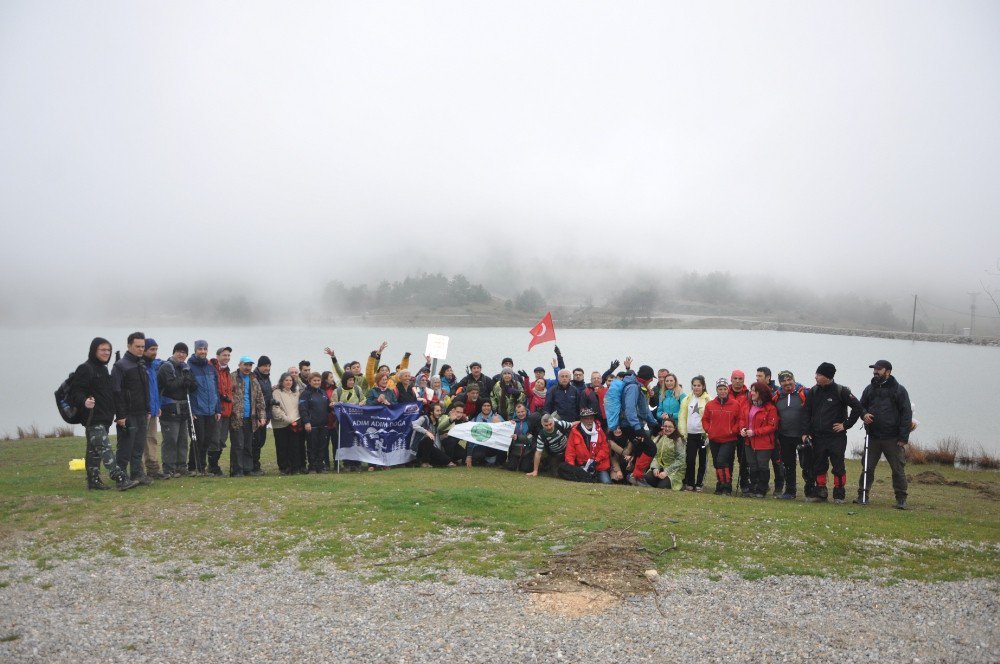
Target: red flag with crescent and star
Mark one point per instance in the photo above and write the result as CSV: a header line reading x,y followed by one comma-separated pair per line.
x,y
544,331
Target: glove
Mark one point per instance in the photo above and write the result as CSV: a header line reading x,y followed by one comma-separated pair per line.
x,y
615,364
558,352
522,373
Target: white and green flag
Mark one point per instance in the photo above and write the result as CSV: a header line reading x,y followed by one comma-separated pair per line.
x,y
496,435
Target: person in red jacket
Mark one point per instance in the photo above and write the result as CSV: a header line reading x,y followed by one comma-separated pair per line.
x,y
588,457
221,364
721,422
758,423
738,392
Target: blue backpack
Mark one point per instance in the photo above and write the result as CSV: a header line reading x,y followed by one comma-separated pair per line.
x,y
613,403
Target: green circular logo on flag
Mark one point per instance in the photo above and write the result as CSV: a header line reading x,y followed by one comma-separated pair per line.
x,y
482,432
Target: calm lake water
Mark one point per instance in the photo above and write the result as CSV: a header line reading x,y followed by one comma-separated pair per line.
x,y
951,386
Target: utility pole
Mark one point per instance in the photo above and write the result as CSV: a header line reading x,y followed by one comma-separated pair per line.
x,y
972,313
913,323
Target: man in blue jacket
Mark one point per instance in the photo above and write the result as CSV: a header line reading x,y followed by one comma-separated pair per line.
x,y
206,411
635,416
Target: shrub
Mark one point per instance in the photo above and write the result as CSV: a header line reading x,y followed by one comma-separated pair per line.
x,y
945,451
915,454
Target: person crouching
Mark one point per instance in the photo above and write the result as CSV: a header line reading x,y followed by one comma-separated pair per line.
x,y
587,457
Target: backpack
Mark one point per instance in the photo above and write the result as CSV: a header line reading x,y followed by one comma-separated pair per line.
x,y
70,413
613,403
357,393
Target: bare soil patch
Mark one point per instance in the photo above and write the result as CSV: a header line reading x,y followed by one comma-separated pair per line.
x,y
986,489
593,576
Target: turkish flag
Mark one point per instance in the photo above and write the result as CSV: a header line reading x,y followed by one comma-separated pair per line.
x,y
544,331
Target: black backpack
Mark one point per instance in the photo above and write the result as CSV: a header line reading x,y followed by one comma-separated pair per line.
x,y
70,413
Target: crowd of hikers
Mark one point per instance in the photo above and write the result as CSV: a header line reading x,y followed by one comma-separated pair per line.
x,y
641,427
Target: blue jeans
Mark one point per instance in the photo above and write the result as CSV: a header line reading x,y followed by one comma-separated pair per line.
x,y
603,476
132,443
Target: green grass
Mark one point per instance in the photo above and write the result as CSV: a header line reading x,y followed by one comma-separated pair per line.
x,y
414,523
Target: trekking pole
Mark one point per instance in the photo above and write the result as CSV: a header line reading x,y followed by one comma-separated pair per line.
x,y
192,434
864,470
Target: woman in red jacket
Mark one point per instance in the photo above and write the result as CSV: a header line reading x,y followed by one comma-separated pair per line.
x,y
758,422
721,422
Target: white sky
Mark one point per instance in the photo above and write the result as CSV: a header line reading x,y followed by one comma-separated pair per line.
x,y
172,136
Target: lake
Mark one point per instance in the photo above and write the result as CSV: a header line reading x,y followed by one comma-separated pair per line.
x,y
950,385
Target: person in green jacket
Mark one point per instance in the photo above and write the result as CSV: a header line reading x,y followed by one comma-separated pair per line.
x,y
667,469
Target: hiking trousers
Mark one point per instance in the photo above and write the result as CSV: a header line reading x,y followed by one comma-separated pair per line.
x,y
895,455
696,452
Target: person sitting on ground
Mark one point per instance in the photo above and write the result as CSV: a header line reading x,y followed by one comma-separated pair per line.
x,y
520,455
429,451
551,440
480,454
587,457
667,469
507,393
453,447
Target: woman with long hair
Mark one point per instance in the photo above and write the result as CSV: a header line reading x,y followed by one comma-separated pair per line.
x,y
689,414
288,441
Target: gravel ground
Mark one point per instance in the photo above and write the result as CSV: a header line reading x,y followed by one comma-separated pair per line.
x,y
117,609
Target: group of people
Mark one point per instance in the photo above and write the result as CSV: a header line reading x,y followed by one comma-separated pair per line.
x,y
638,427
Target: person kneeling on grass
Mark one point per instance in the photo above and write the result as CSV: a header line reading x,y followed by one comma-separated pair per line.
x,y
587,457
667,469
551,440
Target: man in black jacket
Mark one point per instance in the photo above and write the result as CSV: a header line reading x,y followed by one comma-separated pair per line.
x,y
176,383
90,390
130,383
263,375
826,424
888,420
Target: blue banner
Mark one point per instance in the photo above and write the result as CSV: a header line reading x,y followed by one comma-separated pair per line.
x,y
381,435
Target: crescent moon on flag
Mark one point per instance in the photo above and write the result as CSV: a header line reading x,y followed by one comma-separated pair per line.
x,y
541,332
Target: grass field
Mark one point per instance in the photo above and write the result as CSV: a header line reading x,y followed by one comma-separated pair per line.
x,y
414,523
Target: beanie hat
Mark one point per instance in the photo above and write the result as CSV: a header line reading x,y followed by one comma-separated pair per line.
x,y
722,382
264,361
826,369
539,369
200,343
180,345
645,373
737,373
151,343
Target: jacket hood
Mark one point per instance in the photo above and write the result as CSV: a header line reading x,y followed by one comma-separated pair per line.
x,y
888,382
200,361
92,356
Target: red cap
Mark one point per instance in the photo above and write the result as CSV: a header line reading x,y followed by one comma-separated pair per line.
x,y
738,374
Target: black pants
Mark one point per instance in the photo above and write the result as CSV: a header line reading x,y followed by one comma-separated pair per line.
x,y
744,470
722,460
656,482
829,453
288,449
787,446
428,452
453,449
317,441
480,453
259,438
779,472
759,467
521,456
206,431
696,452
573,473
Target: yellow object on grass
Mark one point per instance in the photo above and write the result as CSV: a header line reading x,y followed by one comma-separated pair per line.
x,y
77,464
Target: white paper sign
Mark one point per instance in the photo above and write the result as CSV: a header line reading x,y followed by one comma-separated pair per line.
x,y
437,346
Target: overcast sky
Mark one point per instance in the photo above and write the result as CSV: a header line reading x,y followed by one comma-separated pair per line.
x,y
141,139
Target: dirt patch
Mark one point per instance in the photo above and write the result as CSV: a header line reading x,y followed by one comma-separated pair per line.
x,y
985,489
593,576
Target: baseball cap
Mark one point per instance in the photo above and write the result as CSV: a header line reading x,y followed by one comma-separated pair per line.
x,y
881,364
246,359
229,348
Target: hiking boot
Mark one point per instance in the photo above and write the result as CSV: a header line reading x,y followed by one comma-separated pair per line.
x,y
786,496
143,479
214,470
778,490
637,481
124,483
839,501
861,501
699,489
256,473
94,481
901,504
